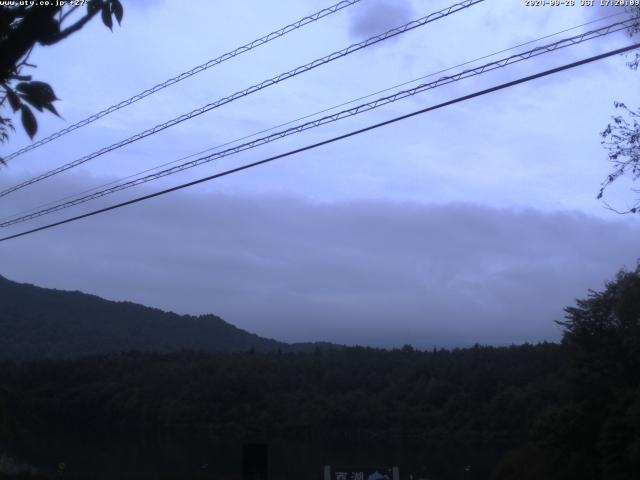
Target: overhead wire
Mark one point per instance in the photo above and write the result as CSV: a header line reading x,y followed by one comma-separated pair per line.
x,y
289,122
331,140
189,73
250,90
563,43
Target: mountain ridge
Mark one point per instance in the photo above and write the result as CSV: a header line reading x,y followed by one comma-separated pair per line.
x,y
40,323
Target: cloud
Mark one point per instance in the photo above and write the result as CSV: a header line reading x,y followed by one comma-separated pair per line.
x,y
146,4
378,16
600,10
366,272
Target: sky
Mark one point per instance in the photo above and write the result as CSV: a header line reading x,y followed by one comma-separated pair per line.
x,y
475,223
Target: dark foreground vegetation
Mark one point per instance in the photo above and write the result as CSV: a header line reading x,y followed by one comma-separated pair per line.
x,y
546,411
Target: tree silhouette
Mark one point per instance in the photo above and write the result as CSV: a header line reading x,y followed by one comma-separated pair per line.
x,y
22,27
603,330
622,136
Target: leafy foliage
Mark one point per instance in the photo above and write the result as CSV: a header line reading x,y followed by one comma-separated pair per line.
x,y
594,432
603,331
622,137
22,27
6,125
632,31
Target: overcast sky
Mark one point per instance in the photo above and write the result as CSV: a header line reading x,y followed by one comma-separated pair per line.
x,y
473,223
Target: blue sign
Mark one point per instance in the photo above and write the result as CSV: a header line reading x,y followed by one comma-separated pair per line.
x,y
358,473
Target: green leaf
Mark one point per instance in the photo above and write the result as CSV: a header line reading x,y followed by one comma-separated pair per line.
x,y
29,121
93,6
6,122
117,9
14,101
106,16
29,99
52,109
39,92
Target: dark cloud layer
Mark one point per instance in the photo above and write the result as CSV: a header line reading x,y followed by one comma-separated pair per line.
x,y
369,272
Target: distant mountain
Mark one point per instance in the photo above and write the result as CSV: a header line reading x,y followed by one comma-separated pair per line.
x,y
40,323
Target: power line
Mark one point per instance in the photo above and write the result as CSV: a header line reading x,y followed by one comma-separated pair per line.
x,y
331,118
328,109
189,73
255,88
570,41
331,140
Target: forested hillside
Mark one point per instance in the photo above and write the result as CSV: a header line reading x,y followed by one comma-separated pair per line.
x,y
567,411
41,323
454,402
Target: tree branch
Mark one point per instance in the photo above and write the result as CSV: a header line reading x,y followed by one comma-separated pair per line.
x,y
75,27
35,24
